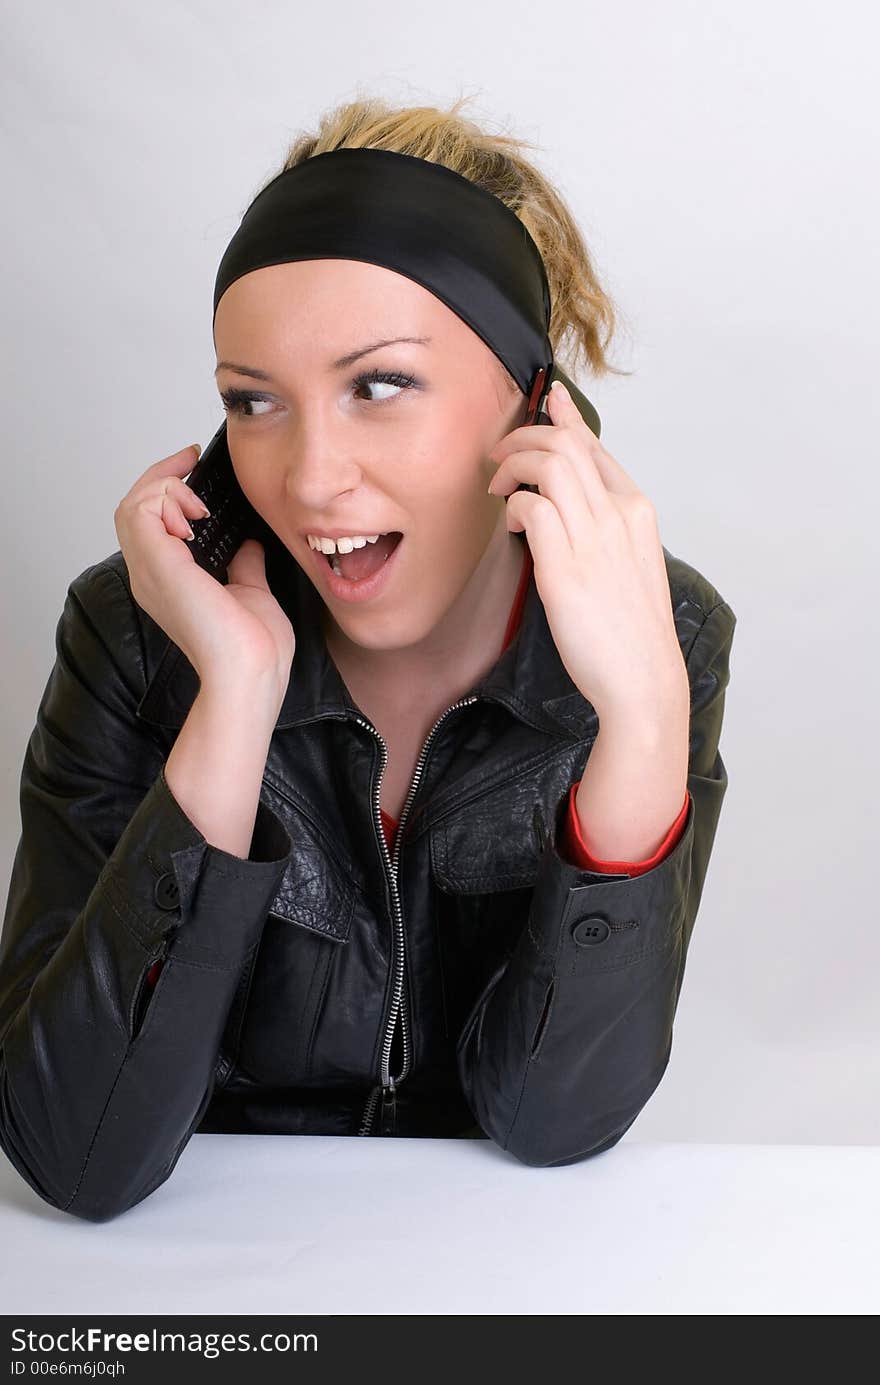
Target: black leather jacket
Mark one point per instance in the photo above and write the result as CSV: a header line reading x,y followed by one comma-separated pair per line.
x,y
511,994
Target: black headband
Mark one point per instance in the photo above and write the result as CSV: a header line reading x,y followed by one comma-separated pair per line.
x,y
424,221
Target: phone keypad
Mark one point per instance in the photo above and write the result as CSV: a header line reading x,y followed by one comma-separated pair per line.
x,y
219,535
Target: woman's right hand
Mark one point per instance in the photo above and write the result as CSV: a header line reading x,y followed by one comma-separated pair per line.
x,y
219,628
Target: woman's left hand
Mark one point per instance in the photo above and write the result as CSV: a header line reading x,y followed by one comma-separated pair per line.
x,y
598,561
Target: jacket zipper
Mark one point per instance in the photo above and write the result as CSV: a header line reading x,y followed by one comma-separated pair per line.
x,y
144,995
387,1086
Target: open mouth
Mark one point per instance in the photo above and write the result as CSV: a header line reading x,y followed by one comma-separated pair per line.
x,y
362,563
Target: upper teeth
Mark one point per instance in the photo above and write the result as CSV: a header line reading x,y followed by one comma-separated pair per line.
x,y
343,545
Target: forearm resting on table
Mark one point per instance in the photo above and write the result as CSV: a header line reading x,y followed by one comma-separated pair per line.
x,y
633,784
215,768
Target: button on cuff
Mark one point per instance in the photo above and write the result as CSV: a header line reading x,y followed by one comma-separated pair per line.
x,y
166,892
591,931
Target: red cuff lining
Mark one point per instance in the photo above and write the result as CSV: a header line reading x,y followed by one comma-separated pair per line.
x,y
574,848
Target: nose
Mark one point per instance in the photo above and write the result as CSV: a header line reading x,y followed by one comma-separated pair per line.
x,y
321,465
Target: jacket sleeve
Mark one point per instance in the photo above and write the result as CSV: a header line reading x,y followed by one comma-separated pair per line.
x,y
573,1032
102,1081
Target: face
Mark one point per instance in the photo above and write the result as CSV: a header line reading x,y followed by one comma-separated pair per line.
x,y
396,440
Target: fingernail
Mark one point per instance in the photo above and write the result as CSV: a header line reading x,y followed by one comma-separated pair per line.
x,y
198,449
559,388
190,534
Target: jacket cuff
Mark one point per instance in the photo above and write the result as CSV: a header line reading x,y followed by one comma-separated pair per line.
x,y
167,881
573,848
652,903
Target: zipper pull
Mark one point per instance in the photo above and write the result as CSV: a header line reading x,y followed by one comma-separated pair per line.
x,y
388,1112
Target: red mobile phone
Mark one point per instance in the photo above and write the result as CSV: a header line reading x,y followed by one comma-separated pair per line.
x,y
537,414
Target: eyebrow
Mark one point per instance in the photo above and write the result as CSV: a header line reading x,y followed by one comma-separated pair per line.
x,y
340,364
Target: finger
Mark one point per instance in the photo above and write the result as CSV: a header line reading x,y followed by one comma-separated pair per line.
x,y
247,566
559,480
178,463
191,504
601,474
562,409
528,467
542,523
173,518
568,420
565,412
557,441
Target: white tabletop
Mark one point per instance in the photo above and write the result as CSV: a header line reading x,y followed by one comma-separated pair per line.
x,y
264,1224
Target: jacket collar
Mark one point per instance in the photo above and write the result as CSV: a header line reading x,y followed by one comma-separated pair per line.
x,y
529,678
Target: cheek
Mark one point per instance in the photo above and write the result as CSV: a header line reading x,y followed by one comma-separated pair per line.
x,y
267,500
451,464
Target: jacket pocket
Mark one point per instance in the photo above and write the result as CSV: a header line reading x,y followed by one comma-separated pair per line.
x,y
495,841
474,935
282,990
485,860
491,845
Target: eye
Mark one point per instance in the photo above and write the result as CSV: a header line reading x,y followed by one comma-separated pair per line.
x,y
367,378
242,402
234,402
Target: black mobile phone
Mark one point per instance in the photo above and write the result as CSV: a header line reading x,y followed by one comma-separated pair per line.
x,y
536,412
232,519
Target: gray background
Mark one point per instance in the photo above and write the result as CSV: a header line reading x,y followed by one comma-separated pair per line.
x,y
722,162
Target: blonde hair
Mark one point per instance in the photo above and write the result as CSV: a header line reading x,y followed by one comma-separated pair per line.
x,y
583,316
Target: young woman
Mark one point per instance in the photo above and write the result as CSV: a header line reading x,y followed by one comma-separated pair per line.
x,y
402,829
